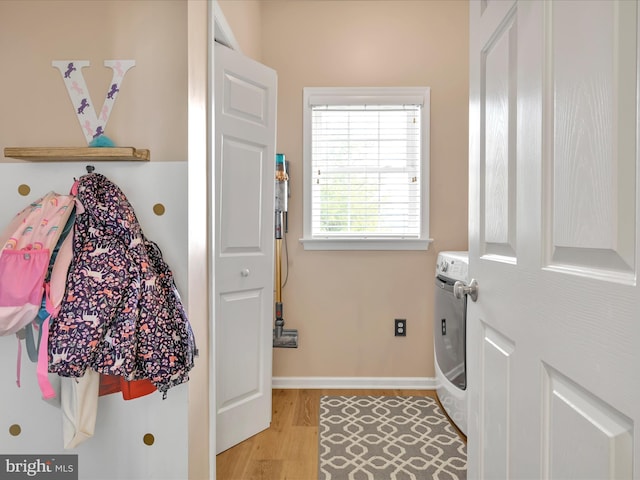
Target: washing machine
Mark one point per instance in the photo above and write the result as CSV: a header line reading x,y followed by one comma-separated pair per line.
x,y
450,328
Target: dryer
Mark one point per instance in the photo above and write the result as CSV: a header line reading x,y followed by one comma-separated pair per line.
x,y
450,328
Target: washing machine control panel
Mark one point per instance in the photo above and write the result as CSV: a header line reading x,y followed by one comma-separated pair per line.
x,y
453,265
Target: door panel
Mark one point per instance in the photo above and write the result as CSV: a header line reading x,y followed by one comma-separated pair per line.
x,y
499,112
240,326
241,193
606,435
244,247
593,212
553,337
245,100
495,368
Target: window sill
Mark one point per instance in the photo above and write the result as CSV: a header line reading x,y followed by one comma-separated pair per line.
x,y
368,244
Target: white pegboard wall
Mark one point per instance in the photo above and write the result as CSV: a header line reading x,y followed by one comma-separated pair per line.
x,y
117,450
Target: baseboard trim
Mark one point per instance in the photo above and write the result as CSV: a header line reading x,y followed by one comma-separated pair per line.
x,y
400,383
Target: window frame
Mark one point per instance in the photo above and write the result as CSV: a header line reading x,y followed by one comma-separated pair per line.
x,y
360,96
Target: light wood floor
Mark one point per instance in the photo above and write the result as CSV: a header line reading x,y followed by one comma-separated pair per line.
x,y
289,448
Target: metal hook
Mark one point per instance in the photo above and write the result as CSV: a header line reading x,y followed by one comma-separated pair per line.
x,y
90,168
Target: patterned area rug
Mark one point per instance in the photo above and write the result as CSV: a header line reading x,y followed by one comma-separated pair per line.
x,y
382,438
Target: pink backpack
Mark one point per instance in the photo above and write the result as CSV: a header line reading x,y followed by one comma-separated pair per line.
x,y
27,246
28,243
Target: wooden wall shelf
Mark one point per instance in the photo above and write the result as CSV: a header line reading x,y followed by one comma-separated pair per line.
x,y
66,154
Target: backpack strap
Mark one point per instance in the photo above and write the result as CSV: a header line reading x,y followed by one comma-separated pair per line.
x,y
43,359
30,342
20,334
18,361
33,331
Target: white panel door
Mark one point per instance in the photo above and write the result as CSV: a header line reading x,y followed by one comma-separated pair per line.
x,y
245,109
554,337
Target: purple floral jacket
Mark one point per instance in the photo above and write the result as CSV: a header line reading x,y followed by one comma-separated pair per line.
x,y
121,314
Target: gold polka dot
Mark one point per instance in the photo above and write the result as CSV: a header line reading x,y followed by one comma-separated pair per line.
x,y
158,209
15,430
148,439
24,190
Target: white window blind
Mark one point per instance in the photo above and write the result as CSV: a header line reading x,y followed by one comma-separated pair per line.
x,y
366,170
366,162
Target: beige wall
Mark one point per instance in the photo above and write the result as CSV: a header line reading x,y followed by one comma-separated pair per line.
x,y
344,303
245,18
151,108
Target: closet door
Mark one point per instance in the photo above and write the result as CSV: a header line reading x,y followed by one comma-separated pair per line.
x,y
554,335
245,120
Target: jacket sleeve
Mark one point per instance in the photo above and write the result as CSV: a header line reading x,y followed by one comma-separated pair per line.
x,y
166,342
